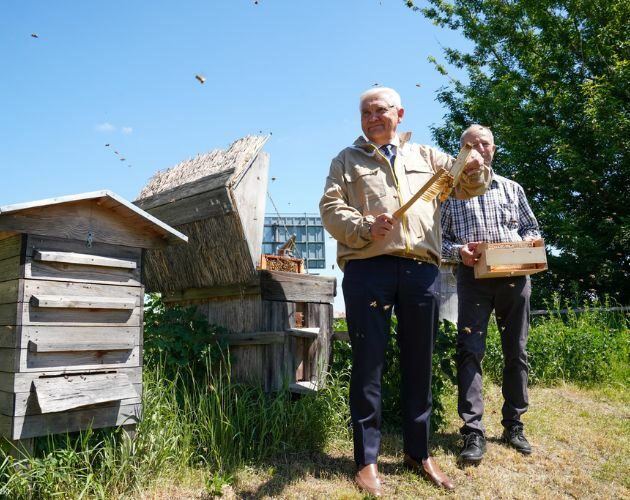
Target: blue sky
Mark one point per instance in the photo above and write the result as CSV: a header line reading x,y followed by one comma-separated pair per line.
x,y
123,73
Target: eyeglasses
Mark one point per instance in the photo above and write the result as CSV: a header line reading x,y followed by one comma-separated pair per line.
x,y
379,111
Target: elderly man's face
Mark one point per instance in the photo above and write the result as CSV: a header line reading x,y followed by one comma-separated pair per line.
x,y
379,119
483,143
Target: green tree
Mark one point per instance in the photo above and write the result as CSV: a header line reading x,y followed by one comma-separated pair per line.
x,y
552,80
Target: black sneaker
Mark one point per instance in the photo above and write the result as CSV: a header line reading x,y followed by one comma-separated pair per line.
x,y
516,439
474,447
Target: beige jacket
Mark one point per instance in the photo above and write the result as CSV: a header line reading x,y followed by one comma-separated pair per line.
x,y
361,185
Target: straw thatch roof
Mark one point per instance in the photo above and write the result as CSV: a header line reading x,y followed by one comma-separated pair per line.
x,y
218,200
237,156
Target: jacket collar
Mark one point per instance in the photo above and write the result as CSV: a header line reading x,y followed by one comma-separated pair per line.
x,y
369,147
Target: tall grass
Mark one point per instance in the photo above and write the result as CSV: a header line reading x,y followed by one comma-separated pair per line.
x,y
206,423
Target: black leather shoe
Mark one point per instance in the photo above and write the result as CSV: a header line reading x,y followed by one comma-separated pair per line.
x,y
474,447
516,439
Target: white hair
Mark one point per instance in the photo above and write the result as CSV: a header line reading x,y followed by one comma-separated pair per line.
x,y
390,95
475,127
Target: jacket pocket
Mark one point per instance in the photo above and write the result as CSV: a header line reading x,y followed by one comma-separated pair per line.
x,y
366,189
417,174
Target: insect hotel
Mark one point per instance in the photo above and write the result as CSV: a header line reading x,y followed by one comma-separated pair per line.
x,y
71,302
279,320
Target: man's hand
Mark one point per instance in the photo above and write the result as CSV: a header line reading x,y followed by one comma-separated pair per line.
x,y
469,253
382,225
474,164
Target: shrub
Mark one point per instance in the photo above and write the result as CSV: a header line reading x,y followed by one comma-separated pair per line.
x,y
589,347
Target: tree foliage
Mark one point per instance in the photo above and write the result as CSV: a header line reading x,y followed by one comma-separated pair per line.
x,y
552,80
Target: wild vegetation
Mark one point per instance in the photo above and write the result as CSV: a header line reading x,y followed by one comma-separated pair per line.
x,y
203,435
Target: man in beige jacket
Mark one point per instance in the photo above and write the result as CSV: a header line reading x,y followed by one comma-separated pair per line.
x,y
390,265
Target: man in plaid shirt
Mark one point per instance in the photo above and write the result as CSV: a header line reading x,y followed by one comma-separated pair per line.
x,y
500,215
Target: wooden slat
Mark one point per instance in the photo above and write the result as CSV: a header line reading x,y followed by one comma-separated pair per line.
x,y
203,185
281,286
191,209
81,274
82,259
65,393
303,387
86,336
25,403
23,360
518,256
10,246
200,295
37,316
23,382
77,302
253,338
307,333
10,269
78,346
105,415
9,291
9,314
10,336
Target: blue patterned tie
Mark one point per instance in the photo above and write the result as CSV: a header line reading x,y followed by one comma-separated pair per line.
x,y
389,150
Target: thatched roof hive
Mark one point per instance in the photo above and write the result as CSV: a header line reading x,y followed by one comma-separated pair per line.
x,y
218,201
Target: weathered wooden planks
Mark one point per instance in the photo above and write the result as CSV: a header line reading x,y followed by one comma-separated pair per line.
x,y
281,286
104,415
82,259
24,360
10,268
26,403
82,302
11,246
10,291
56,394
23,382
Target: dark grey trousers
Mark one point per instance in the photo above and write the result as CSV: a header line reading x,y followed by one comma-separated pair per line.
x,y
509,298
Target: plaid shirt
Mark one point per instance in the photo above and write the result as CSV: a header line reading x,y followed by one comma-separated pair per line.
x,y
500,215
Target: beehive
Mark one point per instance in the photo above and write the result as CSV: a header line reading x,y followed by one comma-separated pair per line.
x,y
517,258
71,303
280,323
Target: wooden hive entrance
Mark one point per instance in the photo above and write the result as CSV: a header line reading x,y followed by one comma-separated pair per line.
x,y
279,323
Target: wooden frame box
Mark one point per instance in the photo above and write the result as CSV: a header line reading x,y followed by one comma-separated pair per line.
x,y
71,309
520,258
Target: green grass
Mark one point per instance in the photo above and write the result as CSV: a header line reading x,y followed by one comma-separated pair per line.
x,y
202,432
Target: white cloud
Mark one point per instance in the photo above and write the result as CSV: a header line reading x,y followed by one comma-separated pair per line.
x,y
105,127
126,130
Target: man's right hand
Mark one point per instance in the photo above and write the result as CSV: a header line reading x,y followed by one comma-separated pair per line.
x,y
382,225
469,253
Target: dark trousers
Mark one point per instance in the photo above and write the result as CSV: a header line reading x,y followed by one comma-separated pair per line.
x,y
477,298
372,288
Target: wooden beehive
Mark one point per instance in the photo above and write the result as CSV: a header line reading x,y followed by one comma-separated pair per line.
x,y
71,303
218,200
518,258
